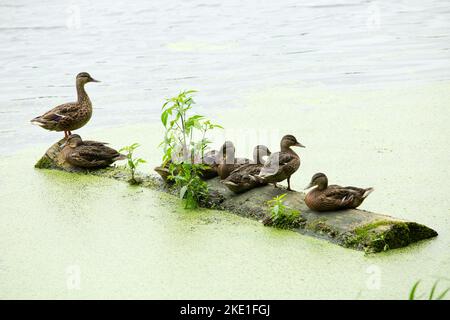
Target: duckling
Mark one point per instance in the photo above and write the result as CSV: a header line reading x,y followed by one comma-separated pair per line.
x,y
88,154
281,165
69,116
243,178
227,162
330,198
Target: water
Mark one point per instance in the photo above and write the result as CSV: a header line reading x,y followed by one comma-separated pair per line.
x,y
364,85
145,51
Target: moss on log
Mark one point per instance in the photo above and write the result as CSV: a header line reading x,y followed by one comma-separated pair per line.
x,y
356,229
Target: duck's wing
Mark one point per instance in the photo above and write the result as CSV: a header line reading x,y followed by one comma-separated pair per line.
x,y
210,158
337,195
58,114
245,171
362,192
274,162
93,156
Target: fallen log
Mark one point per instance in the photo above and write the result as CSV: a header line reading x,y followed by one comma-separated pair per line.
x,y
356,229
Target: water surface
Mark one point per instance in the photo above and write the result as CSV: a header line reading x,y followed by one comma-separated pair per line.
x,y
144,51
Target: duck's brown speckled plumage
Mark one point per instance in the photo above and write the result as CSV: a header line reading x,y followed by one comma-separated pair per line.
x,y
244,178
281,165
227,161
69,116
210,159
331,198
88,154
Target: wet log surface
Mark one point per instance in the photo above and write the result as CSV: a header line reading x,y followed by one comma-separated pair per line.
x,y
357,229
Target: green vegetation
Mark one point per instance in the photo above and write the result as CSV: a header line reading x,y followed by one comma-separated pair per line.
x,y
431,296
281,216
132,163
184,145
44,163
321,227
192,188
370,238
365,229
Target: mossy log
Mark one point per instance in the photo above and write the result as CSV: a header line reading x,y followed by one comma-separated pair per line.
x,y
356,229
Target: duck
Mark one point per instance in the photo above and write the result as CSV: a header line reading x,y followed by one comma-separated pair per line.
x,y
209,158
243,178
322,197
163,171
69,116
88,154
227,162
283,164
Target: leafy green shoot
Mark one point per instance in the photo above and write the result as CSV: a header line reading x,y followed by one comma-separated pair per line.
x,y
132,163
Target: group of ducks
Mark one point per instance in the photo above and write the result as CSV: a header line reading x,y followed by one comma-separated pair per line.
x,y
238,174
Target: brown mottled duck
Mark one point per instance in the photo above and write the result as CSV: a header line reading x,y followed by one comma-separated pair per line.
x,y
69,116
88,154
281,165
243,178
227,161
330,198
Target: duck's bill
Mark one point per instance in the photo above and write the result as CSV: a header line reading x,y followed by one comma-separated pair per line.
x,y
310,187
298,144
94,80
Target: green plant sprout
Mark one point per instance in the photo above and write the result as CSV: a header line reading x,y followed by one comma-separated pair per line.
x,y
184,146
132,163
280,215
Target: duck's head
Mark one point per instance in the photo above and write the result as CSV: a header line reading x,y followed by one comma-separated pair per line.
x,y
259,152
227,151
319,181
289,141
73,141
84,77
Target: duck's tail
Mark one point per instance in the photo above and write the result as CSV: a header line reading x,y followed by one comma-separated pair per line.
x,y
367,192
234,187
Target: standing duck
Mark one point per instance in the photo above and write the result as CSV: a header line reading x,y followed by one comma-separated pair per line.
x,y
69,116
243,178
227,161
88,154
281,165
330,198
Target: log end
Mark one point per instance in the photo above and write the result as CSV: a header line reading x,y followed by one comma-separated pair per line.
x,y
383,235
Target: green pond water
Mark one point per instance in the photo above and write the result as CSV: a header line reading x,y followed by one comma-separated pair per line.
x,y
120,241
